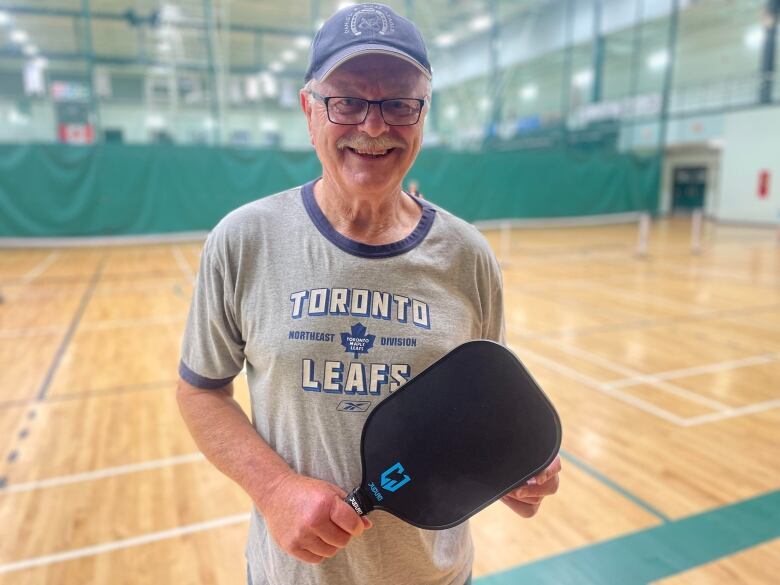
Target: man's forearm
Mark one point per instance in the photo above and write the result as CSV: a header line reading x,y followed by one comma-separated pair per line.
x,y
227,438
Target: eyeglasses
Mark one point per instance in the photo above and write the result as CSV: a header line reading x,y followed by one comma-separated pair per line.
x,y
350,111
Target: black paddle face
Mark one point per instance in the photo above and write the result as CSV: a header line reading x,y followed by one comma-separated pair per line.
x,y
455,438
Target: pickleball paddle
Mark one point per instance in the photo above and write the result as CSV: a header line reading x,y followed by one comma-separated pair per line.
x,y
455,438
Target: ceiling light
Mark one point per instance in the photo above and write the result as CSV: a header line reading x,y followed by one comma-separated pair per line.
x,y
276,67
268,125
529,92
155,121
451,112
480,23
4,18
30,50
445,40
19,36
40,63
302,42
583,78
754,37
484,103
289,55
658,60
345,5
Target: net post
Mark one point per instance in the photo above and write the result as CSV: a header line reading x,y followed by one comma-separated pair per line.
x,y
696,228
643,241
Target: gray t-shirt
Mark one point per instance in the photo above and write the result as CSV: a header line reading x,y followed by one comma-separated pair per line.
x,y
327,328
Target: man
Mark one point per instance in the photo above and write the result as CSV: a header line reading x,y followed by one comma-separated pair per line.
x,y
289,282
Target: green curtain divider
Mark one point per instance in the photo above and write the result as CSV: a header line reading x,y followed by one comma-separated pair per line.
x,y
51,190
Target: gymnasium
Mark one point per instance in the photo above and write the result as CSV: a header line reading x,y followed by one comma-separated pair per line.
x,y
622,159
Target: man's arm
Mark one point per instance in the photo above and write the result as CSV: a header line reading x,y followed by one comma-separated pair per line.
x,y
306,517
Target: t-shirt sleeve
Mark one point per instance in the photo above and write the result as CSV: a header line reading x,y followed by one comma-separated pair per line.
x,y
493,326
212,351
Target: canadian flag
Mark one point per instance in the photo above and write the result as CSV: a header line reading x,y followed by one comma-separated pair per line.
x,y
763,184
76,133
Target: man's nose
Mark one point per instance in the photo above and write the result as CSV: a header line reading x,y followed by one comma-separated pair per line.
x,y
374,125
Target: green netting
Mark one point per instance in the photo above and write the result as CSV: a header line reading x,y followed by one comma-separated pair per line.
x,y
114,189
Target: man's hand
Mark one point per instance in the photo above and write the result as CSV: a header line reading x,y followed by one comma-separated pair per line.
x,y
526,500
309,519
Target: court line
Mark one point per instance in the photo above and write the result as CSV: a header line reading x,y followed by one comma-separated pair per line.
x,y
40,268
183,264
125,323
573,374
85,298
725,413
100,473
654,553
756,408
757,360
631,373
115,545
649,323
93,325
31,331
90,393
614,485
718,275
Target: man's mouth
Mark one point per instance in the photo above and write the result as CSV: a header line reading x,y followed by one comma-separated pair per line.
x,y
370,154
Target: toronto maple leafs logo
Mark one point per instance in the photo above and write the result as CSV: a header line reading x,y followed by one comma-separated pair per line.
x,y
357,341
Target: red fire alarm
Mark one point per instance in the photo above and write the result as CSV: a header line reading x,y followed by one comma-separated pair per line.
x,y
763,184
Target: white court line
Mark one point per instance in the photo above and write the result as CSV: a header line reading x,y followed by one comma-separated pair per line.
x,y
121,323
705,369
638,376
599,387
106,547
39,268
100,473
732,413
182,263
711,274
93,326
32,331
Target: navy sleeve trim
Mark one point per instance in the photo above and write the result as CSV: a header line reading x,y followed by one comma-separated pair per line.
x,y
201,381
367,250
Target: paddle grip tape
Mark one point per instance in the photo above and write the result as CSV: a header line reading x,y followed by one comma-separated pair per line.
x,y
360,504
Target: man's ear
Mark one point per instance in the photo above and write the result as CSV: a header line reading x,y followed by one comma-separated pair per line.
x,y
307,111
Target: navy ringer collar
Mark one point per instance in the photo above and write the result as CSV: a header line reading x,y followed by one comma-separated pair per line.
x,y
367,250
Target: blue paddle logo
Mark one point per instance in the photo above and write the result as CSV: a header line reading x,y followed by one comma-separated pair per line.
x,y
394,484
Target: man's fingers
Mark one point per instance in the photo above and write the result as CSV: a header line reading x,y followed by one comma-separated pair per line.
x,y
307,556
553,469
320,548
333,534
521,508
547,488
346,518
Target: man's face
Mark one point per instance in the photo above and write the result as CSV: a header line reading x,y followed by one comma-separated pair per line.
x,y
339,148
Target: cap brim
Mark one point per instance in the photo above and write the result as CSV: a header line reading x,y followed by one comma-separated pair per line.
x,y
342,57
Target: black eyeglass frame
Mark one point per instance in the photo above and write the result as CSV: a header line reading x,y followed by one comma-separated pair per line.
x,y
325,99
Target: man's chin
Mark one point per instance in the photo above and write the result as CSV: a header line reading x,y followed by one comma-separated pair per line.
x,y
369,180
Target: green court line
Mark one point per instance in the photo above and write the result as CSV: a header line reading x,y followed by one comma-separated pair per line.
x,y
613,485
655,553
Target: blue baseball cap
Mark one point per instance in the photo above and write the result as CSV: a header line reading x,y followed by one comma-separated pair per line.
x,y
365,29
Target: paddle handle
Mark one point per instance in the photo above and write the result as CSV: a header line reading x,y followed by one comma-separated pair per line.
x,y
359,502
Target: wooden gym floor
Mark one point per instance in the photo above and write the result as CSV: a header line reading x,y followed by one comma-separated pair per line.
x,y
666,372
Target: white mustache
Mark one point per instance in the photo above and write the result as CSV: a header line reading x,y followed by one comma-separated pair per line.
x,y
367,144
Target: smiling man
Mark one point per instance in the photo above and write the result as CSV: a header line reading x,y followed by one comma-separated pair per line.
x,y
333,295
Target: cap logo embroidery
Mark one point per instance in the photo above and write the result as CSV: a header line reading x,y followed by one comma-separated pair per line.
x,y
369,19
